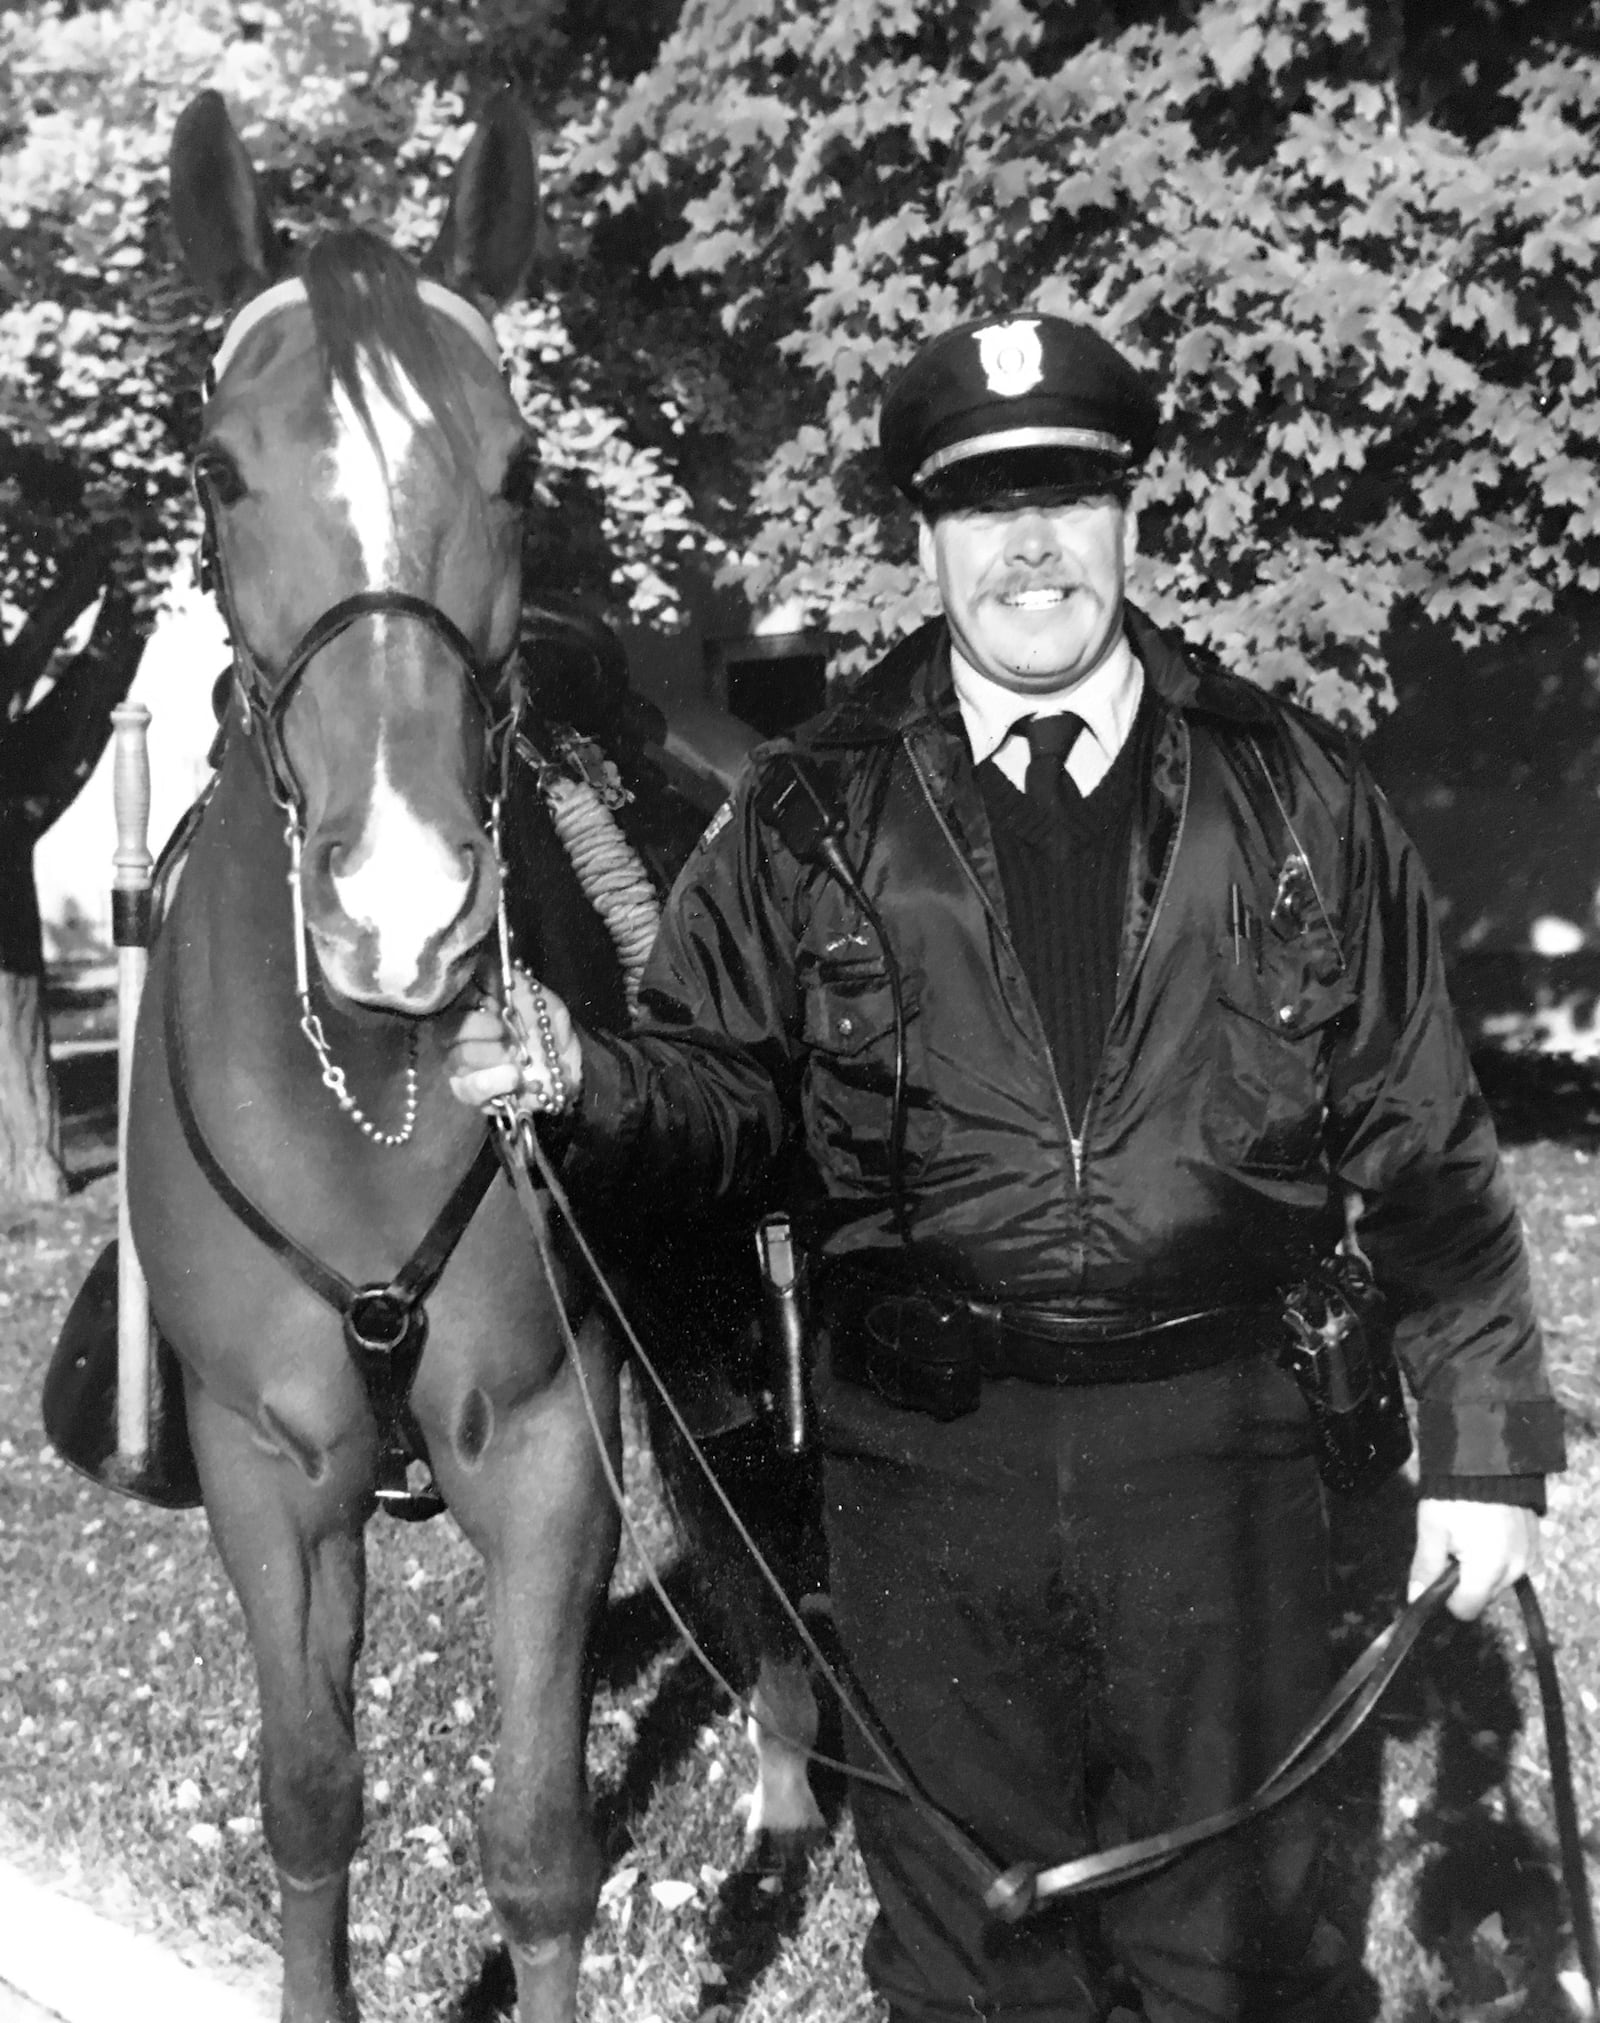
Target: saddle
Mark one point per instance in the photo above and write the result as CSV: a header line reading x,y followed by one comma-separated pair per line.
x,y
80,1401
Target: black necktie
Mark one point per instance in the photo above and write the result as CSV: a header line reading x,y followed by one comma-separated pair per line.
x,y
1050,738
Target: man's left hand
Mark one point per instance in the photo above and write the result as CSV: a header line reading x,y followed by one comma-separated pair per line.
x,y
1494,1544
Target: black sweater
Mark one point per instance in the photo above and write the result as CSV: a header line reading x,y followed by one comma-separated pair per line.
x,y
1065,878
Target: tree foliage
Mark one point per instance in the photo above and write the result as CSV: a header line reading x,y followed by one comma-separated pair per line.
x,y
1368,292
103,344
354,110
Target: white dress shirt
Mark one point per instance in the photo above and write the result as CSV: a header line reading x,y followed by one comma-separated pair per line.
x,y
1107,700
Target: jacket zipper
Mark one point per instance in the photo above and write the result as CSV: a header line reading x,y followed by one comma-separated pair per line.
x,y
1077,1141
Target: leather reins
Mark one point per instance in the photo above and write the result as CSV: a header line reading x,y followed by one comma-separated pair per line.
x,y
1011,1894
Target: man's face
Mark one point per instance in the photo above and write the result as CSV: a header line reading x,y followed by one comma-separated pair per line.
x,y
1033,594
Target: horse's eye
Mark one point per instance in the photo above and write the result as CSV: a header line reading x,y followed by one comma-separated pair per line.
x,y
522,472
217,472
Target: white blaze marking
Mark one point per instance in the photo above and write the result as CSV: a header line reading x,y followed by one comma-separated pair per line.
x,y
368,473
405,885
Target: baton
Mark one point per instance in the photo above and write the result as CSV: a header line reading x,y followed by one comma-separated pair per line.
x,y
130,930
783,1320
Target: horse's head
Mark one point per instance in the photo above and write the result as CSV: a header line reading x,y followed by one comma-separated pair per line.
x,y
363,469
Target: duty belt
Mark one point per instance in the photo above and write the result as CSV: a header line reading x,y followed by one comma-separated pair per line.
x,y
1055,1345
930,1350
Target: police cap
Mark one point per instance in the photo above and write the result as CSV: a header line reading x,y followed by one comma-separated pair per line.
x,y
1014,407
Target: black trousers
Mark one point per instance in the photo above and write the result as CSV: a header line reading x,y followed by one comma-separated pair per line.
x,y
1084,1615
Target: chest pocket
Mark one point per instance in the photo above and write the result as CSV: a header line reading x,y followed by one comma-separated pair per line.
x,y
1278,1018
847,1089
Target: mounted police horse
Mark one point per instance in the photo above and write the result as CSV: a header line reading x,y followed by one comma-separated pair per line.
x,y
330,1246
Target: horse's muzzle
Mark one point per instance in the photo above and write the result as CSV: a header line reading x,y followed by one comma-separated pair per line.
x,y
406,943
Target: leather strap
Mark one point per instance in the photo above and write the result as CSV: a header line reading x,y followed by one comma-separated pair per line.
x,y
340,617
1026,1885
1574,1874
266,701
410,1285
1021,1888
1175,1349
1061,1324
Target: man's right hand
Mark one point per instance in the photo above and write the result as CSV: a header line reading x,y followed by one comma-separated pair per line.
x,y
483,1063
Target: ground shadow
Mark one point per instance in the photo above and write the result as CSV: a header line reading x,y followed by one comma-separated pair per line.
x,y
1370,1547
761,1903
1480,1860
491,1995
1489,1901
635,1628
764,1901
633,1633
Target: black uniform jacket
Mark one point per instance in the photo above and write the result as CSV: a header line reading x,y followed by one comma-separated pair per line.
x,y
1277,1039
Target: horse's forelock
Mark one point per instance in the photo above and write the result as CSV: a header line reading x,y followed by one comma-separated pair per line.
x,y
367,312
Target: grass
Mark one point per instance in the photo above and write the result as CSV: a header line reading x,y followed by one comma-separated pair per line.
x,y
128,1753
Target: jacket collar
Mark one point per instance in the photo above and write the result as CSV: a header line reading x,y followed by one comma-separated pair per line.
x,y
910,688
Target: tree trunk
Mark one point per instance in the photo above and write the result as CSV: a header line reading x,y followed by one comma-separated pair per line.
x,y
47,750
30,1126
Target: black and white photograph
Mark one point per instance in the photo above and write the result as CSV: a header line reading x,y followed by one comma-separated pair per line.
x,y
799,1011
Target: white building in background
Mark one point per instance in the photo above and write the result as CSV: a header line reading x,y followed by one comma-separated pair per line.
x,y
73,861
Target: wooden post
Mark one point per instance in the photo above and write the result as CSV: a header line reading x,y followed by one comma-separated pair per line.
x,y
130,930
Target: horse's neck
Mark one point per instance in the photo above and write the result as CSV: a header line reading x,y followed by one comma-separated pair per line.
x,y
234,922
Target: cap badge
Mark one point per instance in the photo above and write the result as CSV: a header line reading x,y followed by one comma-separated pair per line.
x,y
1012,356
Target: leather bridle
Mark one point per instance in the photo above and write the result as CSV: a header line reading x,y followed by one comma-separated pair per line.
x,y
265,697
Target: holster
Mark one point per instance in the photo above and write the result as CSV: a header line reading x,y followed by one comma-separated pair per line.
x,y
1339,1348
916,1350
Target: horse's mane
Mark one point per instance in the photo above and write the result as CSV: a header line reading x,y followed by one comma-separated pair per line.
x,y
364,300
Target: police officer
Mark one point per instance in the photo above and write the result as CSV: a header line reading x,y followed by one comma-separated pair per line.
x,y
1099,996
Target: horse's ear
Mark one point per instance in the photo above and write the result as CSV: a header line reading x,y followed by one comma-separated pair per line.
x,y
492,228
229,248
